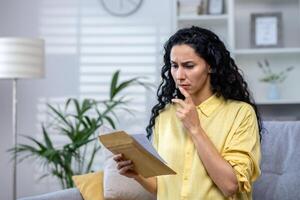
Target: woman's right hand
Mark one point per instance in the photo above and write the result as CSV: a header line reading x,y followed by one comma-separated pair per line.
x,y
125,167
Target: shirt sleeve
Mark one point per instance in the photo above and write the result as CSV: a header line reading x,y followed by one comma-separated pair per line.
x,y
242,148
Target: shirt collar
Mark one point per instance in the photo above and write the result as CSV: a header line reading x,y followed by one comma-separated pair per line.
x,y
209,105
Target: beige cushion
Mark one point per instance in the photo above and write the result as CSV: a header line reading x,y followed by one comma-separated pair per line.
x,y
90,185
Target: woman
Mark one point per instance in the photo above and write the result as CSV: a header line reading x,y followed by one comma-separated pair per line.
x,y
205,125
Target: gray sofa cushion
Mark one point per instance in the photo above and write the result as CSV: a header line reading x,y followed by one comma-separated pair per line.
x,y
280,178
68,194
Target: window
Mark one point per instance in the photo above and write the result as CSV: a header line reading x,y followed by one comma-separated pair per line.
x,y
97,44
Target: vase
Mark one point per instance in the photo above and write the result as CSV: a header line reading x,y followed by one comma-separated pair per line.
x,y
273,91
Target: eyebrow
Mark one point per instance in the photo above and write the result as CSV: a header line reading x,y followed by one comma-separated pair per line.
x,y
186,62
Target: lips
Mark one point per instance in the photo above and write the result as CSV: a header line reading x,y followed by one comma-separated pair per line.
x,y
185,86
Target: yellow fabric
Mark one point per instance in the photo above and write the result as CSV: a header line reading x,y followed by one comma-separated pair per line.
x,y
231,126
90,185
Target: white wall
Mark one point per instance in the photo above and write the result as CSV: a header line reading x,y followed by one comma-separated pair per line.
x,y
16,19
21,18
5,142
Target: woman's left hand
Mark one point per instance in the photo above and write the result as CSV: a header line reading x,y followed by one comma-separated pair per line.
x,y
187,112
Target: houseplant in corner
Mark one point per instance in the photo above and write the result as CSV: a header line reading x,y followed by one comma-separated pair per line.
x,y
78,122
273,78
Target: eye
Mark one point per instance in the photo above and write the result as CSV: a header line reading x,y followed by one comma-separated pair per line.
x,y
174,65
189,65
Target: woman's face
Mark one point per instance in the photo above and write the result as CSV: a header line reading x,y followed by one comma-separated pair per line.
x,y
191,72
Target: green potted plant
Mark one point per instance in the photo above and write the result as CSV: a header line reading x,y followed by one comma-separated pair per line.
x,y
80,127
272,77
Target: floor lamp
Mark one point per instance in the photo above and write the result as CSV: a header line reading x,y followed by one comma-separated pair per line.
x,y
20,58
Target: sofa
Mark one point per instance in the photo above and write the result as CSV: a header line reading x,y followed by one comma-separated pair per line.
x,y
280,164
67,194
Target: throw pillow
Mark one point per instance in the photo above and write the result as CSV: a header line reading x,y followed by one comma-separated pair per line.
x,y
90,185
118,187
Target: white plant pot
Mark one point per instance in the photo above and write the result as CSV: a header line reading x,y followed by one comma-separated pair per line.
x,y
273,91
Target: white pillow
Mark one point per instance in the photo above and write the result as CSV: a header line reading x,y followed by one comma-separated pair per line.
x,y
118,187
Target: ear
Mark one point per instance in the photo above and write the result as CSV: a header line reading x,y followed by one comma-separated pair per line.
x,y
211,70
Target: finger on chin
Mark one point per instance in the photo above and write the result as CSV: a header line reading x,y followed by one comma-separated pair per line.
x,y
184,92
187,95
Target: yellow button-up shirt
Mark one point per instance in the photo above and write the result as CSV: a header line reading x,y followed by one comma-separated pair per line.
x,y
232,128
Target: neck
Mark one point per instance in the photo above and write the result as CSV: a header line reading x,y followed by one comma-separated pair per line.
x,y
202,97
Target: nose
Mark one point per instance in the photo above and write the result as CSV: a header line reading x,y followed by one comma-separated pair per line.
x,y
180,74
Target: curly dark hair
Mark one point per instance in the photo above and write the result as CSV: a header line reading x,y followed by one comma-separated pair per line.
x,y
226,79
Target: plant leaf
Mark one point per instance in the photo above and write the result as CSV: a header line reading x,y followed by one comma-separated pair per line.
x,y
113,84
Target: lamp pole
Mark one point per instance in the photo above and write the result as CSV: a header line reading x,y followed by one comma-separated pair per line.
x,y
14,130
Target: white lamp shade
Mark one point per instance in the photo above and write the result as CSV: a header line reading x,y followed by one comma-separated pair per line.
x,y
21,58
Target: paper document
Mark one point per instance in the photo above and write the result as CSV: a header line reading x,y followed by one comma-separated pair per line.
x,y
137,148
142,140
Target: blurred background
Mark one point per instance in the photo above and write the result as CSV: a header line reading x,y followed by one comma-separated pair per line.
x,y
86,41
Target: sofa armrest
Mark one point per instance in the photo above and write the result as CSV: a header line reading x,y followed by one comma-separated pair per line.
x,y
72,193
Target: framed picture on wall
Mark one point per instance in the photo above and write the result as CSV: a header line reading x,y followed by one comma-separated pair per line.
x,y
266,30
215,7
